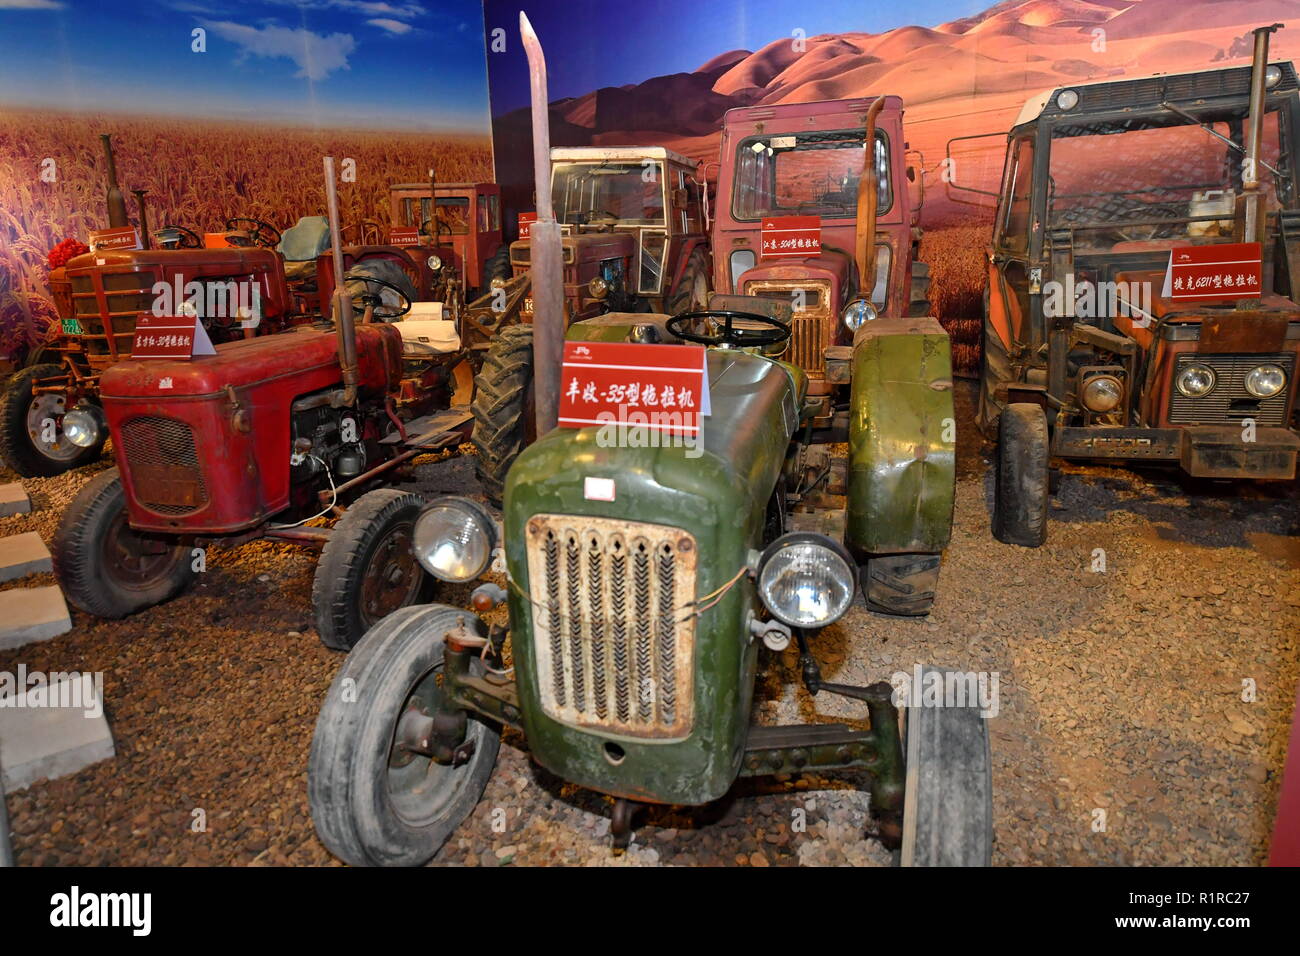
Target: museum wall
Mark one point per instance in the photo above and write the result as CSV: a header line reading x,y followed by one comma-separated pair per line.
x,y
222,110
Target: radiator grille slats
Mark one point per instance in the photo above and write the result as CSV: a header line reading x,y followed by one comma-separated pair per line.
x,y
163,465
1229,403
613,638
810,332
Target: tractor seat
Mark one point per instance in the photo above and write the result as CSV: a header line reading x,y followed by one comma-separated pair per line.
x,y
305,240
426,333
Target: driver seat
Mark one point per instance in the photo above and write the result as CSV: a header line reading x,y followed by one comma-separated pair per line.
x,y
301,243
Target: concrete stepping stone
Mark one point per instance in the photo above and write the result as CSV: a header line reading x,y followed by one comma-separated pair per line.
x,y
52,729
23,554
14,500
32,614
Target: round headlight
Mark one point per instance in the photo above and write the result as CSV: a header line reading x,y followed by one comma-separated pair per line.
x,y
454,539
1272,76
497,283
1195,380
598,287
83,425
1263,382
1067,99
1102,393
434,263
857,312
806,580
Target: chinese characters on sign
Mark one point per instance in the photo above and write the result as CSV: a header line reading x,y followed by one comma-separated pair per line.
x,y
170,337
1214,272
526,220
661,387
120,237
791,237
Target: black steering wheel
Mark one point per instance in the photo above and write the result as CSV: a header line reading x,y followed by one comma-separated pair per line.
x,y
261,233
729,336
177,237
368,297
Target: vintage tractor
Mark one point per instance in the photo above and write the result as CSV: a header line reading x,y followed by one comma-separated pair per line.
x,y
634,235
1086,355
262,437
460,224
246,280
642,581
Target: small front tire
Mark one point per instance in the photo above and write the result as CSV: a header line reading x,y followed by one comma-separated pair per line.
x,y
28,420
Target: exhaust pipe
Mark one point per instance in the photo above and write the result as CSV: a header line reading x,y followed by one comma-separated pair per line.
x,y
546,255
341,303
1254,198
144,219
116,201
868,193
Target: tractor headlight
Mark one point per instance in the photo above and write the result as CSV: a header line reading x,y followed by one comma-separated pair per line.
x,y
806,579
83,426
1272,75
1263,382
598,287
497,283
434,263
1195,380
1102,393
454,539
1067,99
857,312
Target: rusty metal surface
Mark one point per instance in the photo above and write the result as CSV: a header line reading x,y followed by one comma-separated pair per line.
x,y
1251,331
615,638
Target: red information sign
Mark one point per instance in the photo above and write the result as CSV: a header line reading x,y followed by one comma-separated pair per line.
x,y
404,236
170,337
1214,272
526,220
661,387
791,237
119,237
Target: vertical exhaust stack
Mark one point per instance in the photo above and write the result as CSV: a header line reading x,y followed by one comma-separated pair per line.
x,y
341,303
546,263
1254,197
116,201
144,218
868,193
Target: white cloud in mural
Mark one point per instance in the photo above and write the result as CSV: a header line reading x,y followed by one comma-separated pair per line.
x,y
316,55
392,26
32,5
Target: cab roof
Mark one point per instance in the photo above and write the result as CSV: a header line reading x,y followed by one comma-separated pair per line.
x,y
586,153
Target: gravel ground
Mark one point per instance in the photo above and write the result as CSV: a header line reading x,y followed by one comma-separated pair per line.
x,y
1121,738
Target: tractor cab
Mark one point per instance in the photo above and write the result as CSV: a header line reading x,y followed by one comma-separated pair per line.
x,y
458,224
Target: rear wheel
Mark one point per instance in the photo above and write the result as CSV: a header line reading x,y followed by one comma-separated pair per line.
x,y
995,368
918,305
31,428
385,270
367,569
948,796
692,292
1020,481
377,795
106,568
503,407
496,267
903,584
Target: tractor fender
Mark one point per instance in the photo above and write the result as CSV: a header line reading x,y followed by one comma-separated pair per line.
x,y
902,438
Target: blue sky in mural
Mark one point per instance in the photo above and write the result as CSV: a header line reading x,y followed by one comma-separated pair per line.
x,y
371,63
595,43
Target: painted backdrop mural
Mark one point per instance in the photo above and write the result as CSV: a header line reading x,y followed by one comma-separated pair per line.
x,y
222,109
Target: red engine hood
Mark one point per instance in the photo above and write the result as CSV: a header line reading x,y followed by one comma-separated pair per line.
x,y
830,266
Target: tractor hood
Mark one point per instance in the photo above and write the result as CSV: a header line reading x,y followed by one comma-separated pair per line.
x,y
582,247
832,266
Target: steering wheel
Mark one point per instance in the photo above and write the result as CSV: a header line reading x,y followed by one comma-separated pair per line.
x,y
177,237
367,297
261,233
729,336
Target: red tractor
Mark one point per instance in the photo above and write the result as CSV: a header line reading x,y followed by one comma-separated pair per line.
x,y
261,438
460,225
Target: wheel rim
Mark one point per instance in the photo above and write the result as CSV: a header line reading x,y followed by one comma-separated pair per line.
x,y
392,577
420,788
49,407
133,561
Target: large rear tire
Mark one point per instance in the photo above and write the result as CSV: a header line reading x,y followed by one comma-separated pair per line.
x,y
1021,480
995,368
374,802
32,442
496,267
918,305
386,270
503,407
692,291
104,567
901,584
367,569
948,795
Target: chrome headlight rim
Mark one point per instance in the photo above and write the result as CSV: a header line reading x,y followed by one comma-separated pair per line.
x,y
598,287
1101,382
1191,368
1251,381
857,313
84,425
428,541
806,539
434,263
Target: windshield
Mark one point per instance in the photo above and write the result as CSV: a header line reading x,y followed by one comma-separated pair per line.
x,y
627,193
806,174
1163,176
453,214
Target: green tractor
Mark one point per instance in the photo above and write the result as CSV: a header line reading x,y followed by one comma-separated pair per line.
x,y
643,579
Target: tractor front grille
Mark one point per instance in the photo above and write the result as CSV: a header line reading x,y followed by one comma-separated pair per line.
x,y
106,304
1229,403
163,465
613,627
810,333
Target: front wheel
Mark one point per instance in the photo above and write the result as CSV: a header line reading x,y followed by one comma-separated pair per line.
x,y
948,800
32,441
1021,482
108,569
503,408
377,797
